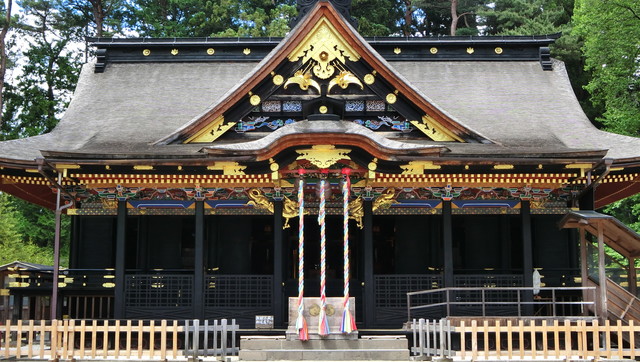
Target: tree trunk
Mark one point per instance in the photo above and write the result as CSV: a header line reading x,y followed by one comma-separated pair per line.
x,y
98,16
3,56
408,17
454,17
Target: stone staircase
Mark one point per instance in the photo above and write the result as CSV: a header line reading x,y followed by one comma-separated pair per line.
x,y
365,348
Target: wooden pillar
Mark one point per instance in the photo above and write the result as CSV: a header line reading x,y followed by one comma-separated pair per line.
x,y
278,269
633,278
584,268
527,255
447,251
447,236
143,243
602,276
121,234
198,265
369,279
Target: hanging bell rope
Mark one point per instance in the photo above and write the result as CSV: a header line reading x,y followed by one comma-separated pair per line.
x,y
323,329
348,324
301,323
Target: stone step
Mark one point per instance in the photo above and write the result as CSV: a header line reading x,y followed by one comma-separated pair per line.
x,y
324,355
320,344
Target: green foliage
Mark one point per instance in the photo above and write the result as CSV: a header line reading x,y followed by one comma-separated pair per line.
x,y
50,71
611,33
193,18
627,211
525,17
377,17
12,246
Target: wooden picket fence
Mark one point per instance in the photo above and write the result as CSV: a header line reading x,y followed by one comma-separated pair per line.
x,y
90,339
525,339
578,339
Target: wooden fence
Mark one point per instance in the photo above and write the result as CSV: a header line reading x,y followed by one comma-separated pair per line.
x,y
92,339
526,339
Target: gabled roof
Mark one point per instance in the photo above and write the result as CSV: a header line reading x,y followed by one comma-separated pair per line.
x,y
617,235
320,40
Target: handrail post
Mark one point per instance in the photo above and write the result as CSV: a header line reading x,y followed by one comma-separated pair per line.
x,y
484,306
553,302
448,299
520,303
408,307
196,338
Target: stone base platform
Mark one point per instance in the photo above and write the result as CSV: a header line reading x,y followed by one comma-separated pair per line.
x,y
367,348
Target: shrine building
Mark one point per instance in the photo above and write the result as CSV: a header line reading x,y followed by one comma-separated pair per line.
x,y
415,163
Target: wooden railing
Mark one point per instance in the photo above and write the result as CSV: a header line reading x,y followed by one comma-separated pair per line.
x,y
80,339
525,339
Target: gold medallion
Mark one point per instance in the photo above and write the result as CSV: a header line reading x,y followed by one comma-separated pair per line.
x,y
369,79
254,100
498,50
278,79
433,50
146,52
391,98
211,51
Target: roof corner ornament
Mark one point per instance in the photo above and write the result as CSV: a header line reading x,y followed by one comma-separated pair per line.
x,y
545,58
342,6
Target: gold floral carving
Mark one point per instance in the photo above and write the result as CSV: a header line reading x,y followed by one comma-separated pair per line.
x,y
385,200
432,129
211,132
418,167
343,80
470,50
323,44
356,211
323,156
303,80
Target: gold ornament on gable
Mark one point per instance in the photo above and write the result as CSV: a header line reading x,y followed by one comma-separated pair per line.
x,y
322,46
323,156
303,80
344,79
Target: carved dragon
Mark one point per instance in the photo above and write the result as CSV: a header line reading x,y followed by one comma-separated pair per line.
x,y
260,201
385,200
356,211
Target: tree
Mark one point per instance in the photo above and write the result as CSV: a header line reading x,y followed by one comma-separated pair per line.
x,y
440,17
99,17
50,71
610,30
377,17
525,17
3,52
12,246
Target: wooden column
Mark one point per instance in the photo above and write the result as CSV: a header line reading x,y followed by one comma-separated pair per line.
x,y
584,267
633,278
447,238
369,280
602,276
143,243
278,270
198,265
527,255
121,234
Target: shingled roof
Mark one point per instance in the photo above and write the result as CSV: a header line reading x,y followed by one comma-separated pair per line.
x,y
122,112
